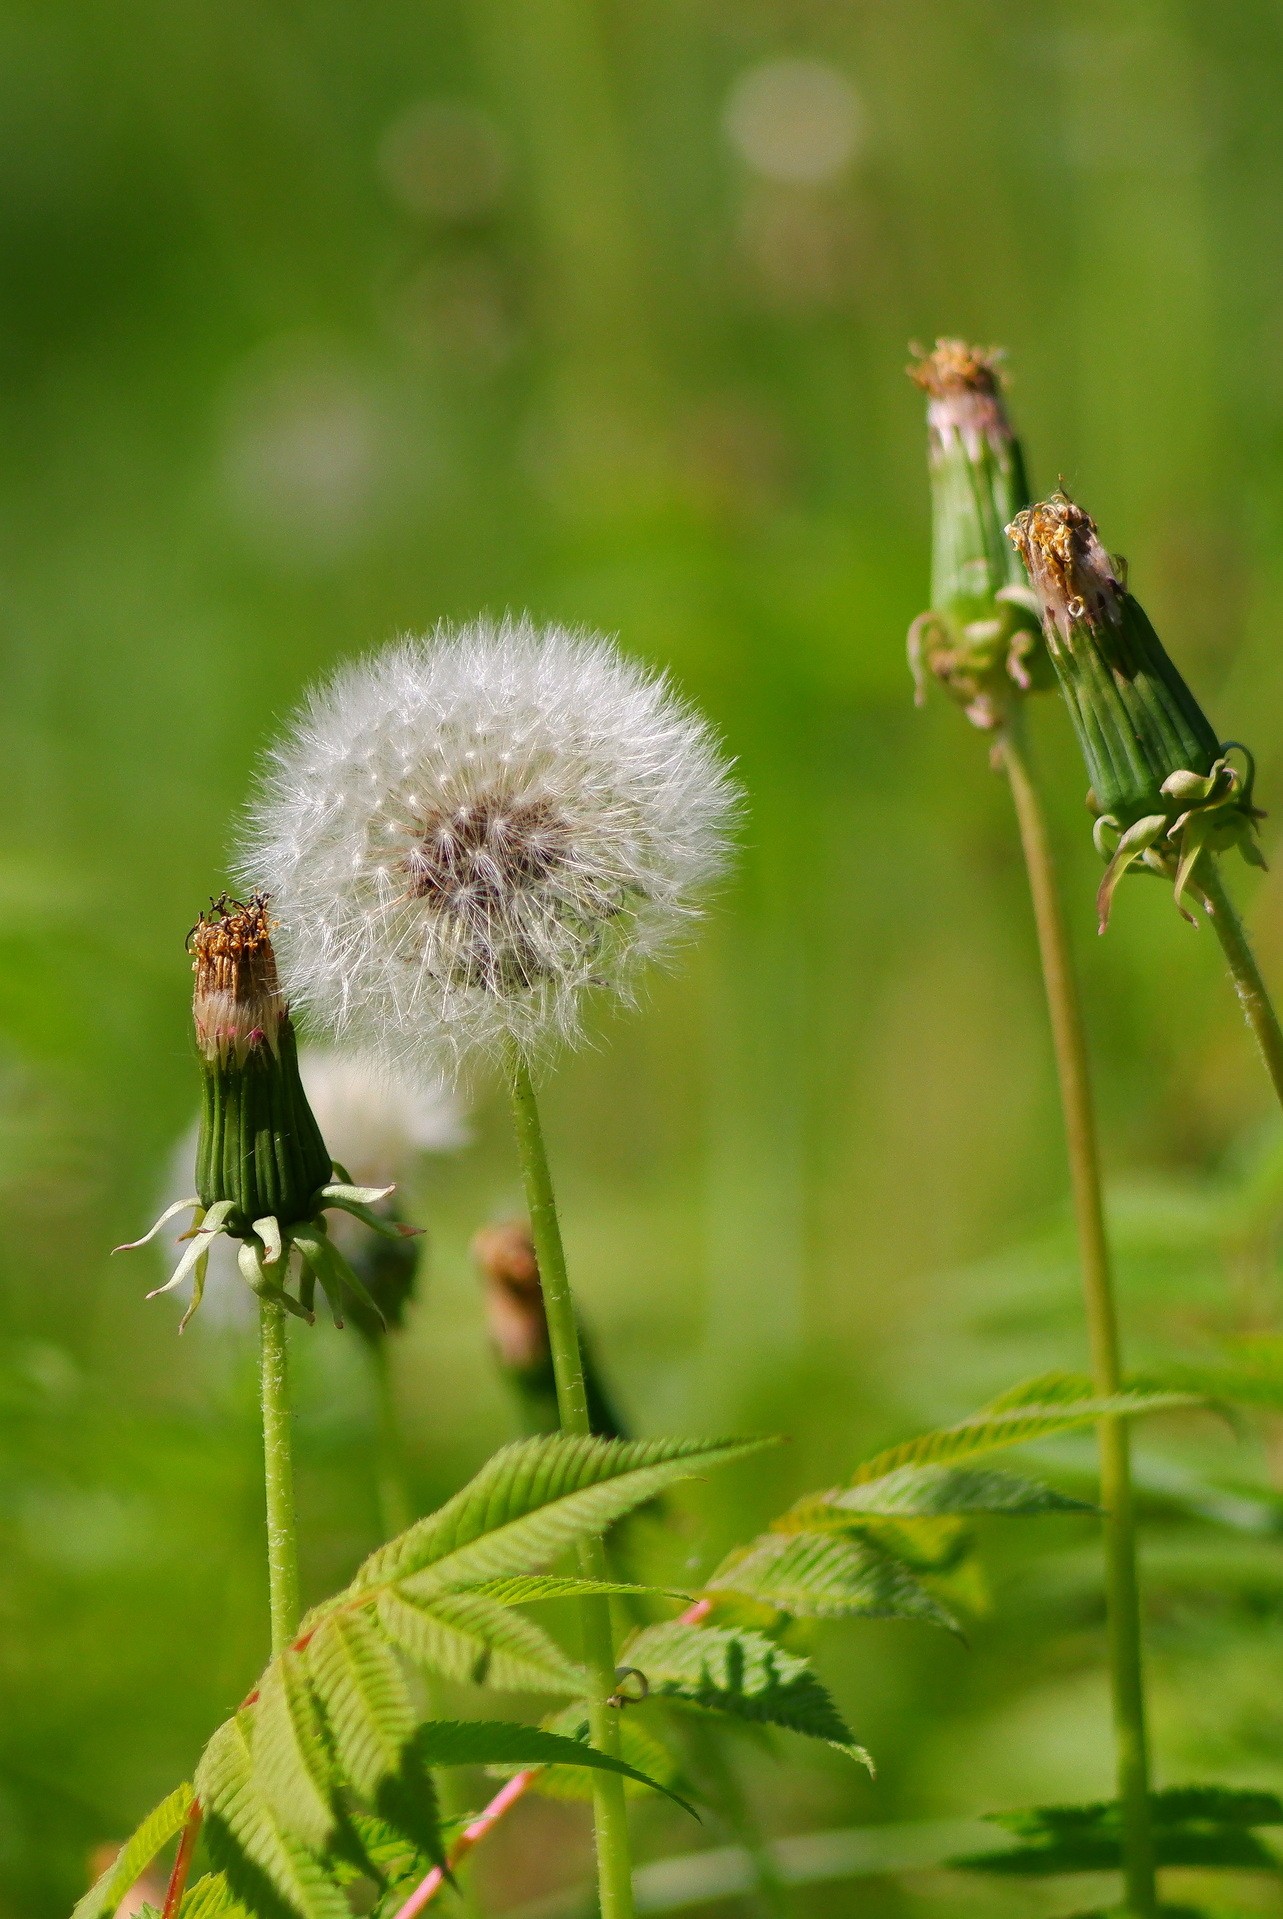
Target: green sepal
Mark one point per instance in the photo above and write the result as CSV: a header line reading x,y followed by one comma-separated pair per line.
x,y
334,1272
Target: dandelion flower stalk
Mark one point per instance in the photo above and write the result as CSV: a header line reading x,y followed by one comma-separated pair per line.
x,y
464,837
1168,796
264,1179
614,1867
1119,1525
981,641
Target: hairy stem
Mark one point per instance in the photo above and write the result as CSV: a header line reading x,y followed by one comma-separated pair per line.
x,y
1122,1590
614,1866
1246,974
282,1537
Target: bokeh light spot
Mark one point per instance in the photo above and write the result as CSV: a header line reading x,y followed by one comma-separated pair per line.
x,y
794,120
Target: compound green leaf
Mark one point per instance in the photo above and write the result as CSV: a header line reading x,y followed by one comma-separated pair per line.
x,y
211,1898
932,1492
471,1637
637,1745
738,1671
523,1589
246,1843
531,1502
367,1705
828,1576
1052,1404
499,1742
292,1763
162,1824
1192,1826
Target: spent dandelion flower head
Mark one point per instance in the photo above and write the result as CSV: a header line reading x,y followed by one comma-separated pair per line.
x,y
1163,786
265,1176
979,637
465,832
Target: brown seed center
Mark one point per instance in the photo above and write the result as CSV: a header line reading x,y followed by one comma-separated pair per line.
x,y
478,854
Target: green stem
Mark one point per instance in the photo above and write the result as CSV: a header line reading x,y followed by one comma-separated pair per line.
x,y
1122,1590
614,1864
1246,974
278,1472
396,1508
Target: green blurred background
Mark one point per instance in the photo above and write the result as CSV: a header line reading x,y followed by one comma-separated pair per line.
x,y
322,322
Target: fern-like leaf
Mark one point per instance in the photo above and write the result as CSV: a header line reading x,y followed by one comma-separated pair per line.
x,y
932,1492
162,1824
1192,1826
361,1688
1049,1408
245,1842
291,1762
529,1503
637,1744
738,1671
523,1589
828,1576
212,1898
471,1637
497,1742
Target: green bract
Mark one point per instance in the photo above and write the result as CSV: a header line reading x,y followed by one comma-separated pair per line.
x,y
263,1173
980,638
1162,785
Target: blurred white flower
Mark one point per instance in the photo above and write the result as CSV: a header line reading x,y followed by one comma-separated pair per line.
x,y
794,120
377,1124
445,159
462,833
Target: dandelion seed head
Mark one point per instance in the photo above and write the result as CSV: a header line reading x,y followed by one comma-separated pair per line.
x,y
464,833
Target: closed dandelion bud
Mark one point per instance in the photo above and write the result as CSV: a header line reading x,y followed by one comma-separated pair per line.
x,y
264,1175
1163,787
260,1148
518,1328
980,638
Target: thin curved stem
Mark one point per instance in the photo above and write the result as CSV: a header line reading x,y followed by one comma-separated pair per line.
x,y
1122,1588
278,1473
614,1864
396,1507
1248,984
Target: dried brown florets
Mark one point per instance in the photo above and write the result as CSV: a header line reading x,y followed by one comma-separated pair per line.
x,y
954,368
1072,574
237,1003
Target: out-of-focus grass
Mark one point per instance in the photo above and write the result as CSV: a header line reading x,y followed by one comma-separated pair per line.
x,y
317,324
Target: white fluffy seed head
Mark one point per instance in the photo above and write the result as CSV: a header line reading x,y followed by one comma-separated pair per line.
x,y
463,833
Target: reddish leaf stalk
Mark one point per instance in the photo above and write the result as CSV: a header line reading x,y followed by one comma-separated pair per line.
x,y
182,1863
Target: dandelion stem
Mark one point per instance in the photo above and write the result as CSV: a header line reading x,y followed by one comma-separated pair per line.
x,y
614,1868
396,1508
278,1472
1246,974
1122,1590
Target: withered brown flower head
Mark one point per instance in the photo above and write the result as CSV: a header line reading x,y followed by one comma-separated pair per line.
x,y
237,1003
1072,574
964,388
505,1255
956,367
